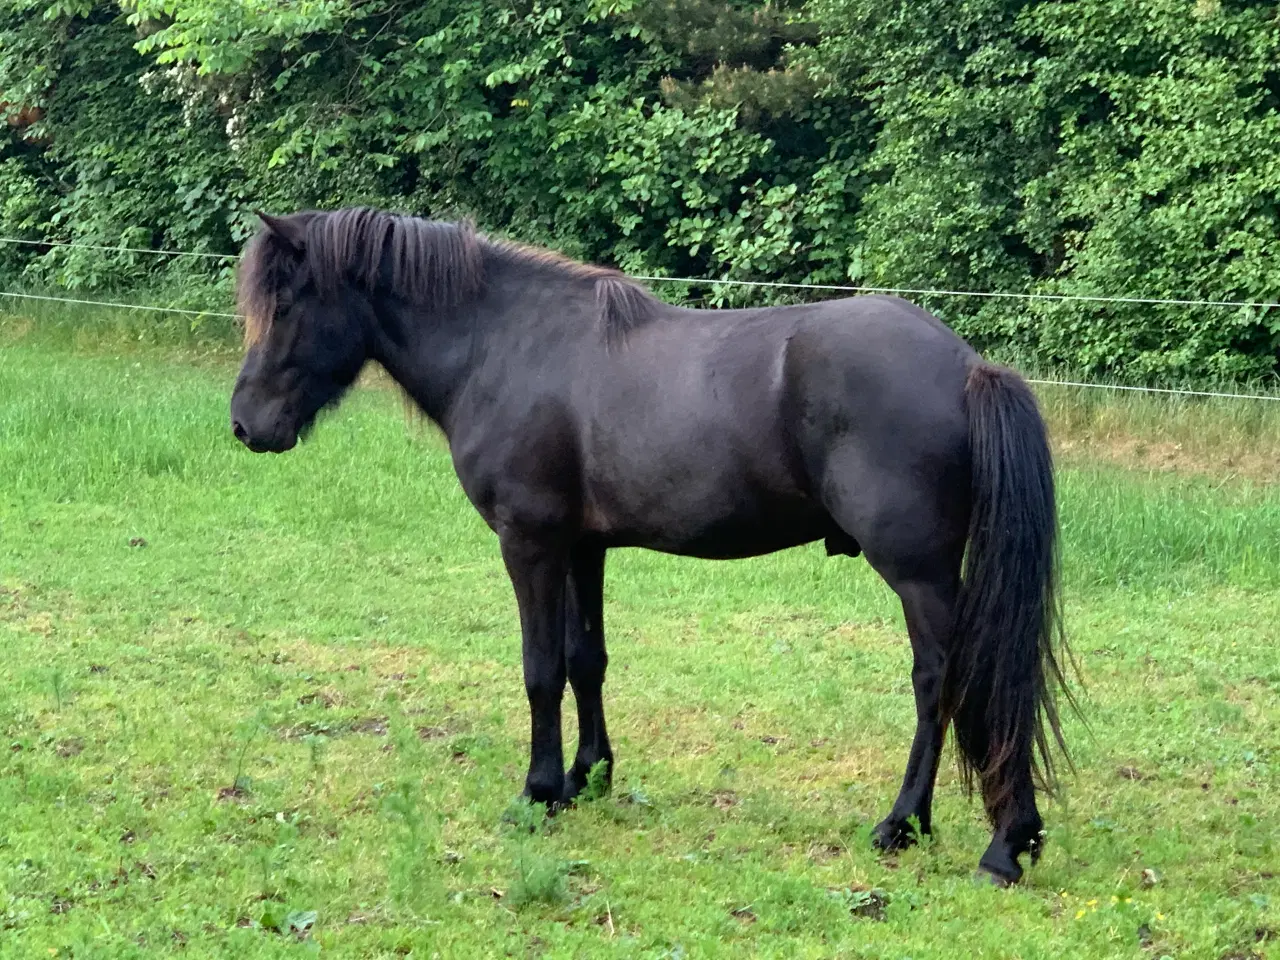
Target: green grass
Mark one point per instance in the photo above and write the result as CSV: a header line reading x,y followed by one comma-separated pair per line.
x,y
271,706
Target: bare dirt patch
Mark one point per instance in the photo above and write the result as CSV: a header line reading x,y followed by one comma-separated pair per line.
x,y
1166,456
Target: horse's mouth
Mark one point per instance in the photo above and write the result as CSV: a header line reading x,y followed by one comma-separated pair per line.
x,y
258,445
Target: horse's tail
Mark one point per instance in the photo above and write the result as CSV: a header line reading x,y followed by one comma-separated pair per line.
x,y
1005,662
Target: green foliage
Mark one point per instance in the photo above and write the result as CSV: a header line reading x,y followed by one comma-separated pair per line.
x,y
228,36
538,879
1013,145
1087,148
597,782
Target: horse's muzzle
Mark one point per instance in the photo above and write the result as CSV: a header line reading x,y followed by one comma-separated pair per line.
x,y
261,445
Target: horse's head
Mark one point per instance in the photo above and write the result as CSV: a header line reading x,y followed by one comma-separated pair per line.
x,y
306,333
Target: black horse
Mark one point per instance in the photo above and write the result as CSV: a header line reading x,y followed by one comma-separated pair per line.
x,y
583,413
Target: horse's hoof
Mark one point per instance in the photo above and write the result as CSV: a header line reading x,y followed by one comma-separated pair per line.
x,y
577,781
572,789
568,799
888,837
550,791
521,813
988,876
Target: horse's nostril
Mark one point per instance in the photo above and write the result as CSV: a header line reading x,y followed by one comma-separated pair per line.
x,y
241,433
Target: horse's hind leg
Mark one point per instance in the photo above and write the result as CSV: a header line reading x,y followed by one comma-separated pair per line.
x,y
911,523
1018,827
585,660
928,606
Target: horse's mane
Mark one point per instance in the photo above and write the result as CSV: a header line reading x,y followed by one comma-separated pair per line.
x,y
430,262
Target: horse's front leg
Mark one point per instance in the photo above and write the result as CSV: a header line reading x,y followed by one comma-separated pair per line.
x,y
538,569
586,660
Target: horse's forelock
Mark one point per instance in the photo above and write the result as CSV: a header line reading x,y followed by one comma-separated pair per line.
x,y
255,288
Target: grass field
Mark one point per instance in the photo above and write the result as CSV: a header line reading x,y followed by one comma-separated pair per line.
x,y
271,706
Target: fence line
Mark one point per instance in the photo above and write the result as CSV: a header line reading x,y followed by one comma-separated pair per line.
x,y
122,306
1049,383
92,246
696,281
915,292
1180,393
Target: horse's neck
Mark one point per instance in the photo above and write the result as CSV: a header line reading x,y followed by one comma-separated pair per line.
x,y
428,356
434,356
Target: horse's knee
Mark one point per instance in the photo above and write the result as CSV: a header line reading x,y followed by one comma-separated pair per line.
x,y
586,664
544,683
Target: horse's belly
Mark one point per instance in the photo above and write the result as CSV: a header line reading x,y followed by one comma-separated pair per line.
x,y
697,521
732,541
703,470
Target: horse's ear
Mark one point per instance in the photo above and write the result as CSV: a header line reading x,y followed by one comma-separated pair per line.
x,y
289,229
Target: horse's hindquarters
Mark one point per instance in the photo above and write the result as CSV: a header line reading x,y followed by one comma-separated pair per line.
x,y
876,405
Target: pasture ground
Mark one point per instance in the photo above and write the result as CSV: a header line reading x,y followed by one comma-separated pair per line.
x,y
265,707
